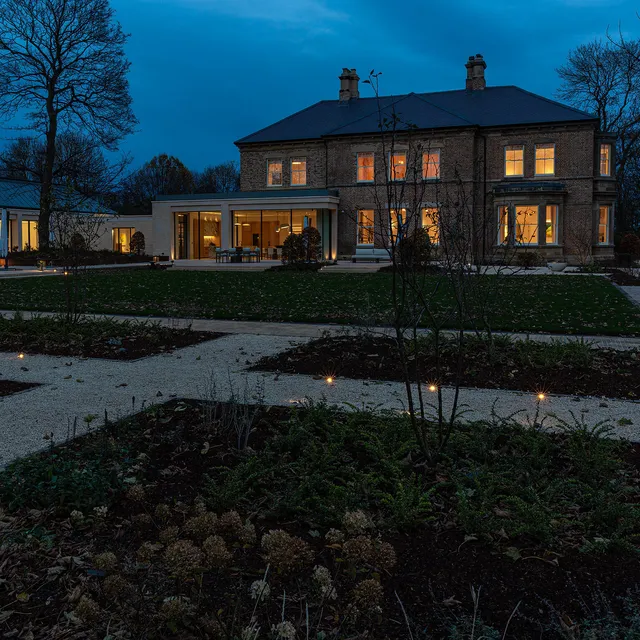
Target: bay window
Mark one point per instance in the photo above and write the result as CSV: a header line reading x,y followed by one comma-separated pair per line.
x,y
545,159
365,226
365,162
274,173
514,160
299,172
603,224
431,165
431,223
526,224
605,159
398,165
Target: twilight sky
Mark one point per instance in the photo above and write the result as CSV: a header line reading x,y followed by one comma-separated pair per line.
x,y
207,72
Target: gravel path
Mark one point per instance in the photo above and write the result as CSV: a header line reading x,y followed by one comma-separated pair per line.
x,y
73,389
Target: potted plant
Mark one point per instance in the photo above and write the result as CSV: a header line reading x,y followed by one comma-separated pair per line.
x,y
212,250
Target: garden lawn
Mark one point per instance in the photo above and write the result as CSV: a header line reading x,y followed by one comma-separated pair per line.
x,y
558,304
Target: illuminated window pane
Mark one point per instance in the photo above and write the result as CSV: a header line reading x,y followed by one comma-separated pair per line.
x,y
605,159
603,224
431,165
398,166
274,173
398,218
299,171
503,225
29,235
122,239
365,167
526,225
551,224
431,222
545,159
514,160
365,226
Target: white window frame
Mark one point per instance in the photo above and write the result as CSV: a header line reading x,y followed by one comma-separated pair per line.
x,y
545,160
513,147
607,224
370,228
294,172
269,162
425,165
392,166
362,154
609,172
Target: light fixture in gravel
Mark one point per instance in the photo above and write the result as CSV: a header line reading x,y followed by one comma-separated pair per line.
x,y
21,356
330,379
433,388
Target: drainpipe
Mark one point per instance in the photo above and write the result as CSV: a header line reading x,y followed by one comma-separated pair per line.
x,y
4,238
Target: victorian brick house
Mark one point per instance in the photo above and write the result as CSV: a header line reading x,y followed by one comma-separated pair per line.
x,y
542,173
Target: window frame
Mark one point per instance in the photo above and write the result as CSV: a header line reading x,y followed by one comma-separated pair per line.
x,y
116,233
544,160
607,225
372,167
369,228
556,222
609,147
275,161
299,159
536,209
513,147
392,166
425,165
504,225
434,225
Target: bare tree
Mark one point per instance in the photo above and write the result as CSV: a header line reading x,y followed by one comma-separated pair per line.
x,y
80,163
63,65
438,245
603,77
221,178
162,175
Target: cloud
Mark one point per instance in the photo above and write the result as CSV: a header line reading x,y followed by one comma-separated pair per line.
x,y
282,12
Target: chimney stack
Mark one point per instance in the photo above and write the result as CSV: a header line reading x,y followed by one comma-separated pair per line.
x,y
475,73
349,85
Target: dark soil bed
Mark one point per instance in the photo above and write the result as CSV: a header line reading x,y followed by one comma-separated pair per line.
x,y
9,387
624,279
133,488
103,338
573,369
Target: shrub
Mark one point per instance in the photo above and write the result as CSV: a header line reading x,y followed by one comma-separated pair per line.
x,y
312,244
293,249
416,250
528,259
628,250
303,247
137,244
285,552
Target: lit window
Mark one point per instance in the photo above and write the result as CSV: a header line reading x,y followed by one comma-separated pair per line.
x,y
605,159
398,165
603,224
503,225
430,222
545,159
29,235
526,225
431,165
365,226
514,160
398,218
365,167
122,239
274,173
551,224
299,172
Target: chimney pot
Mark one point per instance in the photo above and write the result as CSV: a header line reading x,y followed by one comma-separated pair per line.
x,y
349,85
475,73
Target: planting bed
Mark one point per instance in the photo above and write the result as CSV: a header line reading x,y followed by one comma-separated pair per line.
x,y
159,527
9,387
561,368
95,338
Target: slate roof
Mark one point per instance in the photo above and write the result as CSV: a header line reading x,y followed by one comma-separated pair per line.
x,y
259,195
494,106
21,194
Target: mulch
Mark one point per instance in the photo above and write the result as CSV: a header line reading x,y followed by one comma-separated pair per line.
x,y
610,374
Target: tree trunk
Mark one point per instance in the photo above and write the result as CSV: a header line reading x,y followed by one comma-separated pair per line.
x,y
46,188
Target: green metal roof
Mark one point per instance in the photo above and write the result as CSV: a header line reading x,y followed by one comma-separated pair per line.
x,y
21,194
